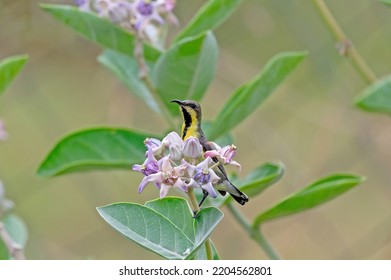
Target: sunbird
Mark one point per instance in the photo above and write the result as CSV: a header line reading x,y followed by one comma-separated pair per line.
x,y
191,113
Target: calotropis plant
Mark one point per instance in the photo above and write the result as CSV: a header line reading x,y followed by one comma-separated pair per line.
x,y
183,70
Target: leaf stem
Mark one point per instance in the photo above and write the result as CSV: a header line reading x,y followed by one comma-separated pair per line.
x,y
14,249
255,233
196,208
346,47
143,74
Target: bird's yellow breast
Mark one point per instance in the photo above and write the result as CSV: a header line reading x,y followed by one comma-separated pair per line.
x,y
190,128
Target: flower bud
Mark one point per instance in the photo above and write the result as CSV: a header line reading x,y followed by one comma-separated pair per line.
x,y
152,143
172,138
175,152
192,148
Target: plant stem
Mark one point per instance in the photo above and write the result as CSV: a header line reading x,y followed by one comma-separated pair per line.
x,y
346,46
14,249
255,234
193,200
143,74
208,248
196,208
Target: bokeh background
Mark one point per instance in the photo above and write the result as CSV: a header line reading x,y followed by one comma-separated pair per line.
x,y
309,124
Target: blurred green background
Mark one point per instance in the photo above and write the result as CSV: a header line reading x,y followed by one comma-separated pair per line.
x,y
309,124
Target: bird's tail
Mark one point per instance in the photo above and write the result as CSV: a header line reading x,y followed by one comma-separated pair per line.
x,y
236,194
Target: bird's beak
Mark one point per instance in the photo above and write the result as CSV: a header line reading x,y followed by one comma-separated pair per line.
x,y
180,103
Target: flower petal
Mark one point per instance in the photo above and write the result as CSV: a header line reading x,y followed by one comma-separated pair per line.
x,y
213,177
137,167
210,189
210,154
236,164
205,163
155,177
166,165
144,182
164,190
189,167
179,184
192,184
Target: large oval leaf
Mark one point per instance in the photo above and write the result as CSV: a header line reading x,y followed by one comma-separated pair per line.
x,y
99,30
250,95
210,16
177,211
148,228
376,97
315,194
94,148
9,68
126,69
186,69
164,226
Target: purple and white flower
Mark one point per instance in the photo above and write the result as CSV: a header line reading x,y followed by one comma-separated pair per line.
x,y
203,176
150,165
137,15
224,155
166,178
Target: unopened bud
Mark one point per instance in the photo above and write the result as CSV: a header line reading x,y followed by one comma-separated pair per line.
x,y
192,148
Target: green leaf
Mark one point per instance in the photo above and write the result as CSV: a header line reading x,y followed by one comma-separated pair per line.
x,y
261,178
186,69
148,228
95,148
250,95
376,97
164,226
9,68
177,211
388,2
126,69
204,223
315,194
209,17
99,30
17,229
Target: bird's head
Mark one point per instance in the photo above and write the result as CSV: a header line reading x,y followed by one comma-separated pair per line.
x,y
189,107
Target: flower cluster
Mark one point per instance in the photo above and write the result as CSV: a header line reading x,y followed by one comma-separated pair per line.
x,y
173,162
137,15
